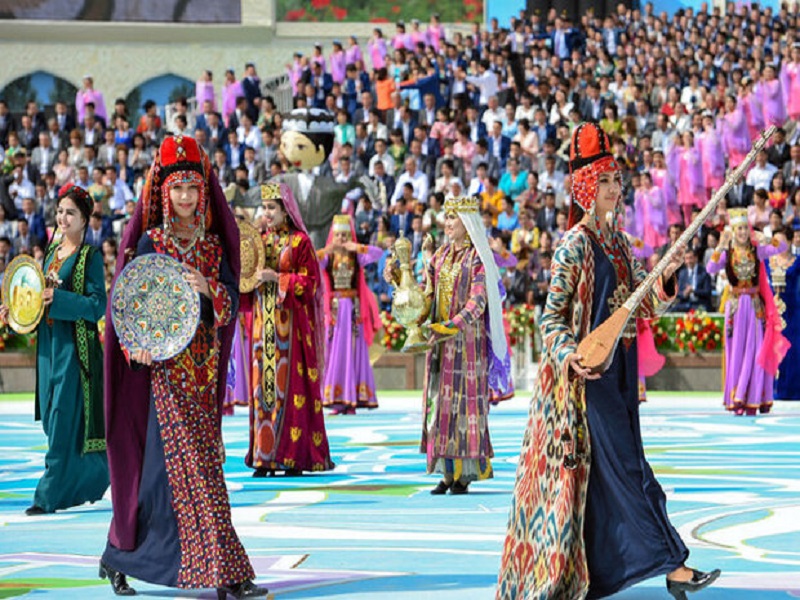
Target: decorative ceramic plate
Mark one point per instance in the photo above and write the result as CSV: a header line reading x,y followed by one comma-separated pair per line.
x,y
153,307
23,285
252,256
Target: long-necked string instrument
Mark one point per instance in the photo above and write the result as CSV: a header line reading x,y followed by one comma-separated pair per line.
x,y
597,348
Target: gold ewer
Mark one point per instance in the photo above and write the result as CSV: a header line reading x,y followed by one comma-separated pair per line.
x,y
408,301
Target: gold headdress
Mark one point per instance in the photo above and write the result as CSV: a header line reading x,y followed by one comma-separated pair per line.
x,y
462,204
341,223
271,191
737,216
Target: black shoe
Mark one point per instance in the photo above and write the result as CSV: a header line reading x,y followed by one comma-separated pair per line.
x,y
118,581
35,511
441,488
261,472
458,489
293,473
245,589
698,581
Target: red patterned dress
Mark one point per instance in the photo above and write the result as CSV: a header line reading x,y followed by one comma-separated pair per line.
x,y
287,427
185,536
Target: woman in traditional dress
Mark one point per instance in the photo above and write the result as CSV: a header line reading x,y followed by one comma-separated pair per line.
x,y
784,275
734,132
231,90
287,427
687,167
351,319
752,108
772,99
172,519
651,214
664,181
588,518
69,375
790,83
712,157
754,345
468,356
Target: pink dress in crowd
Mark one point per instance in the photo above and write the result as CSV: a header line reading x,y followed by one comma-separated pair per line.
x,y
435,35
688,166
712,158
772,102
790,83
751,105
230,91
664,182
204,91
295,72
651,216
353,55
377,53
735,135
84,97
338,66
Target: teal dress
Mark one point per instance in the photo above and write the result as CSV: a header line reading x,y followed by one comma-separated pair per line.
x,y
69,385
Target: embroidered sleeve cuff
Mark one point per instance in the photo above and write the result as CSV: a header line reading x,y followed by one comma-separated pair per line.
x,y
284,281
221,302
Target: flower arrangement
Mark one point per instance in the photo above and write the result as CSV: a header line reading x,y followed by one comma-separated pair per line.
x,y
521,321
386,12
690,333
394,334
10,341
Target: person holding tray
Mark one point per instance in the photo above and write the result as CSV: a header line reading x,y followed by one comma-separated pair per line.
x,y
172,518
69,374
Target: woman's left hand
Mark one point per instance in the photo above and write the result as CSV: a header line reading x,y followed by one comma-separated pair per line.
x,y
198,282
675,263
47,296
351,246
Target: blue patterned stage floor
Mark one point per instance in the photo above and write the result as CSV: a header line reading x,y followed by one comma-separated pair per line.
x,y
371,530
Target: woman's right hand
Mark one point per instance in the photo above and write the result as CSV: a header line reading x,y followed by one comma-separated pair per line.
x,y
143,357
389,272
725,238
4,315
574,361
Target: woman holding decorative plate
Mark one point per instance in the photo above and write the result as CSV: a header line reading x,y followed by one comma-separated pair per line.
x,y
69,358
172,518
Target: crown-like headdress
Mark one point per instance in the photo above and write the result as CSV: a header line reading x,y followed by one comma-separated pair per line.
x,y
341,223
737,216
462,204
309,120
271,191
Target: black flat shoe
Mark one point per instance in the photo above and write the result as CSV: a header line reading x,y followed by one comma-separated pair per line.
x,y
245,589
261,472
35,511
441,488
698,581
459,489
118,581
292,473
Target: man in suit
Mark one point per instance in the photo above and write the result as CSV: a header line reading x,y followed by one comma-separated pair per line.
x,y
740,195
28,136
251,88
234,151
59,140
401,219
592,106
482,155
791,170
427,114
645,120
499,145
518,285
43,156
477,129
201,122
65,120
362,113
224,171
322,83
33,219
779,153
546,219
95,235
379,171
694,284
407,124
541,281
6,123
24,241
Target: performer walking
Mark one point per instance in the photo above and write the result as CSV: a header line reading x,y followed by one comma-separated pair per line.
x,y
287,427
784,275
468,353
754,345
69,376
588,518
351,319
172,519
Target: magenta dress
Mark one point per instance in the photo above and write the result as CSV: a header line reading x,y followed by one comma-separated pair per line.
x,y
349,381
712,158
751,105
772,103
377,53
735,136
230,91
353,55
687,165
749,313
204,91
338,66
83,97
790,83
664,182
435,34
651,217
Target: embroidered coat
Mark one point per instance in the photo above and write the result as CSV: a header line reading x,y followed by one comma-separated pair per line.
x,y
544,555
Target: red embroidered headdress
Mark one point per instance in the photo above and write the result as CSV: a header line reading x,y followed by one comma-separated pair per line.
x,y
589,156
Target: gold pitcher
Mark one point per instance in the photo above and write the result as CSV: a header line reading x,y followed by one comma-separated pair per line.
x,y
408,301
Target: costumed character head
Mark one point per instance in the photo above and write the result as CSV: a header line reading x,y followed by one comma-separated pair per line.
x,y
343,231
279,209
463,213
179,164
74,208
307,138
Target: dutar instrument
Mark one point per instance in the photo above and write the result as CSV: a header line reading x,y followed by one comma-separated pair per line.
x,y
597,349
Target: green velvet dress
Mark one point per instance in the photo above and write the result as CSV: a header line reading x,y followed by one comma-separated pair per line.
x,y
69,385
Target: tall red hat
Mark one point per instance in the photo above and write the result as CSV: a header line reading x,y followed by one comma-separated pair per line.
x,y
589,144
589,156
180,153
